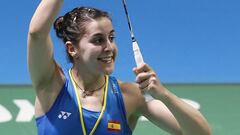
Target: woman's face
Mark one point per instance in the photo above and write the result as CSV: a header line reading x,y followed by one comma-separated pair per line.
x,y
97,49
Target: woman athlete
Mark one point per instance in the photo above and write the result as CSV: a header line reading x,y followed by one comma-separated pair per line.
x,y
85,99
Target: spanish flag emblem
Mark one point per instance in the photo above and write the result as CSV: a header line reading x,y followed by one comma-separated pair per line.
x,y
114,126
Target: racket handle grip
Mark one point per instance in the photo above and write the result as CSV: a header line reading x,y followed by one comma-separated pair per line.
x,y
139,61
137,54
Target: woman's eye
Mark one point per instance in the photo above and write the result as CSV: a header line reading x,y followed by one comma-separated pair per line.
x,y
111,38
98,41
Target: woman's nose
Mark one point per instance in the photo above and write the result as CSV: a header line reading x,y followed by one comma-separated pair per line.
x,y
108,46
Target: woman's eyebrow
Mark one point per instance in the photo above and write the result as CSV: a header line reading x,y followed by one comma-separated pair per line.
x,y
101,34
98,34
112,31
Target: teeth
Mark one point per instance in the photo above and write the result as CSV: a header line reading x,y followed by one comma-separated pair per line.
x,y
106,59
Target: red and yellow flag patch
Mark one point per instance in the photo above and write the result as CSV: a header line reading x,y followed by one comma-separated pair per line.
x,y
114,126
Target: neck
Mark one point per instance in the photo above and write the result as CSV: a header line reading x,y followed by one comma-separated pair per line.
x,y
87,81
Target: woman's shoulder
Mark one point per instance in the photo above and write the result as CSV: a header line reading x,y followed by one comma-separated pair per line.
x,y
129,87
133,97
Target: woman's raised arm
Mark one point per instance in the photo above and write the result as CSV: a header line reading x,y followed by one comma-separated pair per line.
x,y
42,67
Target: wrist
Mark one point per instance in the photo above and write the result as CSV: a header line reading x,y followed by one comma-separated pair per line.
x,y
161,93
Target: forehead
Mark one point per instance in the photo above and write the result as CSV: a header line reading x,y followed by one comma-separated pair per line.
x,y
101,25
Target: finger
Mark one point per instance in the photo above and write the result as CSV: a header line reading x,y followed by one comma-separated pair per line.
x,y
153,74
145,75
135,70
143,68
144,90
149,82
144,84
152,82
142,77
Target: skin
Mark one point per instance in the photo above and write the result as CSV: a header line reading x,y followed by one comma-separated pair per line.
x,y
93,58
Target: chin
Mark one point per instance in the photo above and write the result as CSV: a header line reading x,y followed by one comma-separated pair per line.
x,y
108,70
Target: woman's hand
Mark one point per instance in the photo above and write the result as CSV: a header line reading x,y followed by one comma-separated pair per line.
x,y
189,120
148,81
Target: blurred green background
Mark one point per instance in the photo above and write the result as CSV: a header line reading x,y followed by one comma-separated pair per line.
x,y
219,104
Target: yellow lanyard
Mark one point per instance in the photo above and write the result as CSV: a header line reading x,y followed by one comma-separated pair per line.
x,y
80,105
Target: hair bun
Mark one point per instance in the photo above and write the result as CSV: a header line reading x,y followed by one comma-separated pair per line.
x,y
59,26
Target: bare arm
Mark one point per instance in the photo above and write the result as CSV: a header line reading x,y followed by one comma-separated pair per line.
x,y
47,78
168,111
160,115
154,110
42,66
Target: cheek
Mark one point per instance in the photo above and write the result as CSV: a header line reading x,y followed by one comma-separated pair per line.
x,y
90,53
115,51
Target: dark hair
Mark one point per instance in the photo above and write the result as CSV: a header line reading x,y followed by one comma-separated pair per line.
x,y
71,26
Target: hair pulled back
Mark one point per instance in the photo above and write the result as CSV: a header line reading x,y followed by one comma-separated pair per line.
x,y
71,26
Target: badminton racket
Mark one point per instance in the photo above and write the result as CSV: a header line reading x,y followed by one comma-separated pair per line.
x,y
137,53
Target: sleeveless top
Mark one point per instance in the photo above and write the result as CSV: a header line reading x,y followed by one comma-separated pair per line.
x,y
64,117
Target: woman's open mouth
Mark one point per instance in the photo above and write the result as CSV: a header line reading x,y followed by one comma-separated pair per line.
x,y
107,59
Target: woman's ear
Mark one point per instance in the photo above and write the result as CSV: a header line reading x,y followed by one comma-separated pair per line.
x,y
72,51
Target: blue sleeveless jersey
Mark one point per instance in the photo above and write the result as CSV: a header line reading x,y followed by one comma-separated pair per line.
x,y
63,117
